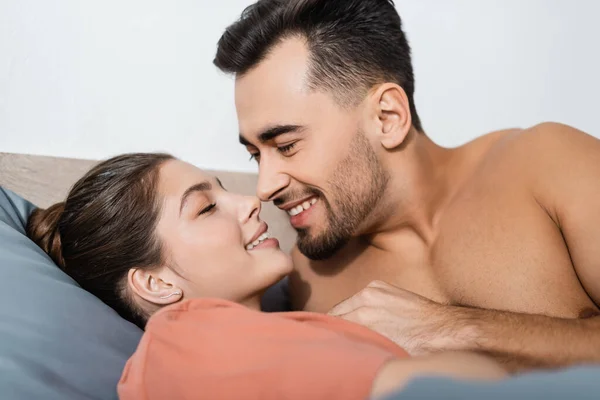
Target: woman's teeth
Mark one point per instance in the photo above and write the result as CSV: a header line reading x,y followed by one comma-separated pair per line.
x,y
302,207
258,241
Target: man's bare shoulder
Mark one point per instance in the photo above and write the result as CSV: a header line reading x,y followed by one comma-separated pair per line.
x,y
481,148
536,149
538,159
543,140
529,136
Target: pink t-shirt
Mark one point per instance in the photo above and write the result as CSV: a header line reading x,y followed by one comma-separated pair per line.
x,y
216,349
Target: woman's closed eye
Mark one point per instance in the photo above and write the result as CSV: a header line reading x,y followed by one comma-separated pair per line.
x,y
207,209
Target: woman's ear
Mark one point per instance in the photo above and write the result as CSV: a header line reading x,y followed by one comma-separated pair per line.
x,y
393,113
150,286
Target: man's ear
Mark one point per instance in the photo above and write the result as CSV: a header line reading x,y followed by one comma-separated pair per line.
x,y
393,113
150,286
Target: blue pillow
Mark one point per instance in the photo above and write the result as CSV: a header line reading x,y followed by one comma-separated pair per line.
x,y
57,341
578,382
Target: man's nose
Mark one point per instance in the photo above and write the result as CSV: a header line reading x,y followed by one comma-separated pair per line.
x,y
270,181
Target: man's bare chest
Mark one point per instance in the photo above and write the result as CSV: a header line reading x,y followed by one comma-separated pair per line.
x,y
510,259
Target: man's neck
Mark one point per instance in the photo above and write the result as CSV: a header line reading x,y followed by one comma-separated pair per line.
x,y
424,177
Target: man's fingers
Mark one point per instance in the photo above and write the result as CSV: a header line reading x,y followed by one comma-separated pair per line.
x,y
379,285
374,294
342,308
358,316
385,286
348,305
368,296
350,317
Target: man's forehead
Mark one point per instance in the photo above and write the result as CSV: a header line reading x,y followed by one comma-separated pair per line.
x,y
276,92
268,109
276,82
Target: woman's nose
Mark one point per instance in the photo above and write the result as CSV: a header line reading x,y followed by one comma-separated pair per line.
x,y
249,208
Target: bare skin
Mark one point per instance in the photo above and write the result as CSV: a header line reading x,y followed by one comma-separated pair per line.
x,y
518,237
489,247
498,244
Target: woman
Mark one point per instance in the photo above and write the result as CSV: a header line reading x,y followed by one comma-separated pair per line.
x,y
145,231
142,231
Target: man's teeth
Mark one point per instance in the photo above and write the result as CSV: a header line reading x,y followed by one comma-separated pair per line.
x,y
258,241
302,207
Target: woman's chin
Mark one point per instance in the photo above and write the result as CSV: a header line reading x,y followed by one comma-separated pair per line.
x,y
274,267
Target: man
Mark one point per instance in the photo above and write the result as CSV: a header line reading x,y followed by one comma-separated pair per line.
x,y
490,247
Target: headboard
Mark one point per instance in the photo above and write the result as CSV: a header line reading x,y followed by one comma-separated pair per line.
x,y
47,180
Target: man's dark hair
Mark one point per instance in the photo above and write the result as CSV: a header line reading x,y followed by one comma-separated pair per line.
x,y
353,44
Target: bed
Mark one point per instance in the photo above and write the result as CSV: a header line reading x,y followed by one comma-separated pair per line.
x,y
59,342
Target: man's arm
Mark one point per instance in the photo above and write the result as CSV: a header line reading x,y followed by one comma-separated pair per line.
x,y
519,341
523,341
568,186
569,189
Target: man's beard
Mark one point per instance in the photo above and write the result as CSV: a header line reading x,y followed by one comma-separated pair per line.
x,y
356,186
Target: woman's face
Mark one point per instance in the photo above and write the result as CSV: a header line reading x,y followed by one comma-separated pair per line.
x,y
213,240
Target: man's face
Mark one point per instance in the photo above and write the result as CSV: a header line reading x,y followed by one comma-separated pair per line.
x,y
315,161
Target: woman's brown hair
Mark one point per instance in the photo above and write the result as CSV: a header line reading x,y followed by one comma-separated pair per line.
x,y
105,227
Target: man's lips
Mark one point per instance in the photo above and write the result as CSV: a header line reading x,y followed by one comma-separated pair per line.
x,y
301,214
289,205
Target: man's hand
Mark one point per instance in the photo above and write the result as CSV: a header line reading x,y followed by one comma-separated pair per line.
x,y
519,341
415,323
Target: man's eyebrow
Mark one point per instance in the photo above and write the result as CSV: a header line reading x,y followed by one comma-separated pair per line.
x,y
199,187
272,132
